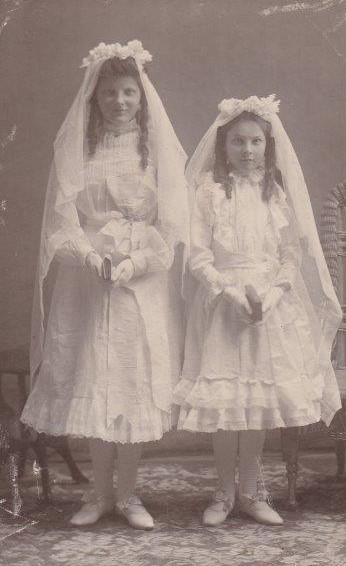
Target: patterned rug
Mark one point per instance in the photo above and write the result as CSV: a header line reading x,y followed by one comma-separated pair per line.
x,y
176,490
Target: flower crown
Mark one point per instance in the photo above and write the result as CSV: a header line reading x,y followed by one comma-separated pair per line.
x,y
133,49
263,107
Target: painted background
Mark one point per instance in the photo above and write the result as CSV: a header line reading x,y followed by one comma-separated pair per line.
x,y
203,51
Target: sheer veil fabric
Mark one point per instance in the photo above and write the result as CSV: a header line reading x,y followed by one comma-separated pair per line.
x,y
66,180
313,282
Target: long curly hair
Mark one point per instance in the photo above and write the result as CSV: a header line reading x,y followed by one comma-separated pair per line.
x,y
116,67
222,168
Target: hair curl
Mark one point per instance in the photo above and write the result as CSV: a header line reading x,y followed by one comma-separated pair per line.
x,y
116,67
222,168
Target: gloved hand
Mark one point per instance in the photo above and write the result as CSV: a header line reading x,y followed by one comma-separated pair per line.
x,y
272,298
94,262
123,272
233,296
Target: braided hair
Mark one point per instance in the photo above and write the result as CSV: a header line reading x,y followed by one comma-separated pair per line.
x,y
116,67
222,168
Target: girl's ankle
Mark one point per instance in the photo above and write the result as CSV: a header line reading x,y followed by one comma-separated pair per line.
x,y
222,495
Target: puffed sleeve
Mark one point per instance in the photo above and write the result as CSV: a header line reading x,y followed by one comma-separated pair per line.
x,y
202,258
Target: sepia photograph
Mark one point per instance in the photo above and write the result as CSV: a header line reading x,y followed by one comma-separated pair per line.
x,y
173,283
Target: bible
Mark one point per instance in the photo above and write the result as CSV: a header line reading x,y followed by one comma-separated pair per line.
x,y
255,303
107,268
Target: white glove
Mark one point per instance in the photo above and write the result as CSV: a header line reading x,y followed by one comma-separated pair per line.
x,y
94,262
123,272
239,300
272,298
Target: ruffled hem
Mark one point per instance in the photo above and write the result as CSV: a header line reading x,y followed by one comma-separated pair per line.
x,y
86,418
212,420
208,405
226,393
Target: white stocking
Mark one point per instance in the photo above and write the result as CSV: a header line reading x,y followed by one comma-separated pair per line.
x,y
225,445
129,456
250,452
102,456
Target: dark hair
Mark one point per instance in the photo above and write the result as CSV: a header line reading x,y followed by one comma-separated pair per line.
x,y
222,168
116,67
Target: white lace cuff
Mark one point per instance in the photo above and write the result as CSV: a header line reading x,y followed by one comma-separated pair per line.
x,y
74,252
215,289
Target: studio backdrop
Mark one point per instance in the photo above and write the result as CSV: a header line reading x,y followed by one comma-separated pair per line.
x,y
203,51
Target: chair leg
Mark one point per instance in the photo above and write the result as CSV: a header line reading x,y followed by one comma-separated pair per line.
x,y
62,448
290,449
22,459
41,453
17,502
340,452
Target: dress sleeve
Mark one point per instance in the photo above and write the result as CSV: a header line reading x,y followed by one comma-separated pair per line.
x,y
74,250
289,257
202,258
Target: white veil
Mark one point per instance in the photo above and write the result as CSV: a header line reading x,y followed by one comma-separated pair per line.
x,y
313,283
66,179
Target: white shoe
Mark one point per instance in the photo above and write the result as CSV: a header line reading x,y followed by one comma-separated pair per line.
x,y
259,510
135,512
218,510
92,511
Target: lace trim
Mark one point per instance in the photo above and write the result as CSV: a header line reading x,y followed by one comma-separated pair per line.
x,y
121,129
81,436
214,198
209,420
112,437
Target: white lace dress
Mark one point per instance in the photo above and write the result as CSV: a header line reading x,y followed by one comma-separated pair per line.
x,y
238,376
111,356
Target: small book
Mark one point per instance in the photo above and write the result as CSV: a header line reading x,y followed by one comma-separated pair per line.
x,y
255,303
107,268
110,261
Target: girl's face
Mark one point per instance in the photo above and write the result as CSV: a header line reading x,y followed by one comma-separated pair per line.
x,y
245,146
118,98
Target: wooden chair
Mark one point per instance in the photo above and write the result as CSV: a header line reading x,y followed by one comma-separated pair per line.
x,y
333,240
16,440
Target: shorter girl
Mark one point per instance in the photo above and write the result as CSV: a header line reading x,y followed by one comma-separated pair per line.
x,y
261,327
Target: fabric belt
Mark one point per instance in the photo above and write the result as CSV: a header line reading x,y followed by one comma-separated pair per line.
x,y
239,260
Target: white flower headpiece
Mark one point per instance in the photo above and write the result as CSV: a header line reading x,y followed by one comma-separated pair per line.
x,y
133,49
263,107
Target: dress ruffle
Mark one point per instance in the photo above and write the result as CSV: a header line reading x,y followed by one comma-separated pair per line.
x,y
87,417
225,393
245,403
212,420
220,211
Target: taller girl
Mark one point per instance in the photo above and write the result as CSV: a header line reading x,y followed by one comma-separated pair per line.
x,y
110,356
254,243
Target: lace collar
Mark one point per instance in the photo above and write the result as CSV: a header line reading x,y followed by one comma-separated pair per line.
x,y
253,177
117,131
